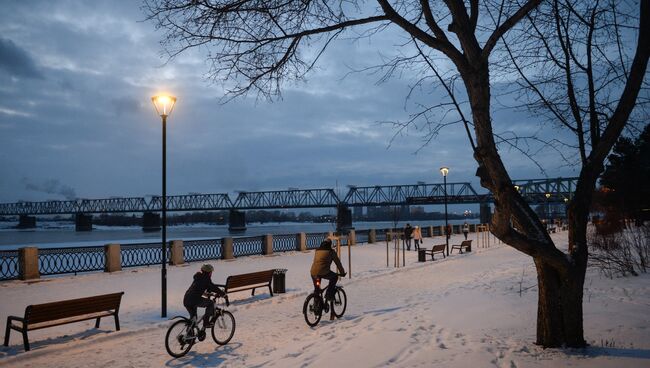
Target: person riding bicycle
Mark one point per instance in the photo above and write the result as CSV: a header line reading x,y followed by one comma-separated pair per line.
x,y
194,299
320,268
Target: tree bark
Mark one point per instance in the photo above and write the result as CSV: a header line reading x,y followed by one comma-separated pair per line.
x,y
559,306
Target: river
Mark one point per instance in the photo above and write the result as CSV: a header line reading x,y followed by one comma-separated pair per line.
x,y
59,234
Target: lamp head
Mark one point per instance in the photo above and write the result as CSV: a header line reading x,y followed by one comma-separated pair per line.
x,y
444,170
164,104
548,195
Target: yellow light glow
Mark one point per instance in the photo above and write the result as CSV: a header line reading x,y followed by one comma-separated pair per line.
x,y
517,187
164,104
548,195
444,170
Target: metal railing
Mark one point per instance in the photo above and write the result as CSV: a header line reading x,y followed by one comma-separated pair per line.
x,y
144,254
56,261
247,246
201,250
284,242
9,269
314,239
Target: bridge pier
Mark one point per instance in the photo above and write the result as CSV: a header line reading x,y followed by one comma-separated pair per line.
x,y
485,213
151,222
343,219
237,221
83,222
26,222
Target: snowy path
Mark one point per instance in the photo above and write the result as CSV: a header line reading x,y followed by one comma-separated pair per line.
x,y
459,312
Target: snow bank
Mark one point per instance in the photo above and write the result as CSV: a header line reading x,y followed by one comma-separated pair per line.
x,y
463,311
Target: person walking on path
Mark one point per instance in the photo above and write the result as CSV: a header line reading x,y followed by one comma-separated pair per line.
x,y
448,231
408,234
417,236
465,229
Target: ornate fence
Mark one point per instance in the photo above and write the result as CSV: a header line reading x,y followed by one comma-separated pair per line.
x,y
247,246
284,242
9,265
201,250
314,239
144,254
56,261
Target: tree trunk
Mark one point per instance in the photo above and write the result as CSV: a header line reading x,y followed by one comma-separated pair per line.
x,y
559,307
559,310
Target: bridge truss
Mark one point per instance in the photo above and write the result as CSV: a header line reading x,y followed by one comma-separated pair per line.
x,y
534,190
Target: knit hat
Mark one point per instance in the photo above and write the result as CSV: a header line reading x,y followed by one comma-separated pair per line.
x,y
207,268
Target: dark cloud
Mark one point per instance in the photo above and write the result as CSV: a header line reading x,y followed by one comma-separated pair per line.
x,y
17,62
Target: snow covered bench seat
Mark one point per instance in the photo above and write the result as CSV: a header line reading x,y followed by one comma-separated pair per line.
x,y
439,248
52,314
248,281
467,244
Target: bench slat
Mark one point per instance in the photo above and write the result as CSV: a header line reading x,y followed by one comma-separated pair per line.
x,y
70,308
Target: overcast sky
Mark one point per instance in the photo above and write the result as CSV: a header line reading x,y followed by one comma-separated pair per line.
x,y
76,120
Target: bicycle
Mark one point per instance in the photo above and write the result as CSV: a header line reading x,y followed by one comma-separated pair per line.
x,y
183,334
315,305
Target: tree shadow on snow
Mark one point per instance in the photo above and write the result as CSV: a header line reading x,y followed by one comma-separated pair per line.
x,y
595,351
214,359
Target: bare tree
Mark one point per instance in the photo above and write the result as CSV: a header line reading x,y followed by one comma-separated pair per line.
x,y
256,45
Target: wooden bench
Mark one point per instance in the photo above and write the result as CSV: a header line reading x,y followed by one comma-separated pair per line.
x,y
467,244
247,281
52,314
440,248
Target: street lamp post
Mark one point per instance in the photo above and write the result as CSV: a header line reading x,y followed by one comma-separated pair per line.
x,y
548,210
164,105
445,170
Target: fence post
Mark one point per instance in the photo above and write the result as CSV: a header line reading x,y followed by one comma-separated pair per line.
x,y
430,231
372,236
301,242
352,238
267,244
226,248
28,263
113,255
177,252
442,230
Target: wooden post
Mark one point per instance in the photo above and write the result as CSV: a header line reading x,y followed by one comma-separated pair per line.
x,y
113,258
372,236
352,238
430,231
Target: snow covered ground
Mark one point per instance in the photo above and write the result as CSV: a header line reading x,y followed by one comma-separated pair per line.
x,y
464,311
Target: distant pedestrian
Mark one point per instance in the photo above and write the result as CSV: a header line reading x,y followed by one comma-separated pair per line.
x,y
448,231
465,229
417,236
408,234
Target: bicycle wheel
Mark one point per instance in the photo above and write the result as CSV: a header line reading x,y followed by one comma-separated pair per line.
x,y
339,303
312,309
179,339
224,327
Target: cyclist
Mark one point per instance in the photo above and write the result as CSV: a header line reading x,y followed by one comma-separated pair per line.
x,y
194,295
320,268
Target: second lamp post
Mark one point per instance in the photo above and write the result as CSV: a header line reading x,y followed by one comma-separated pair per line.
x,y
445,170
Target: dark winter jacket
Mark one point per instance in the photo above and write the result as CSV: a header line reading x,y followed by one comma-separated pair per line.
x,y
408,231
323,259
201,283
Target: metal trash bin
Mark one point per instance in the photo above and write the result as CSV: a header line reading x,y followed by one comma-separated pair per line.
x,y
279,280
422,255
